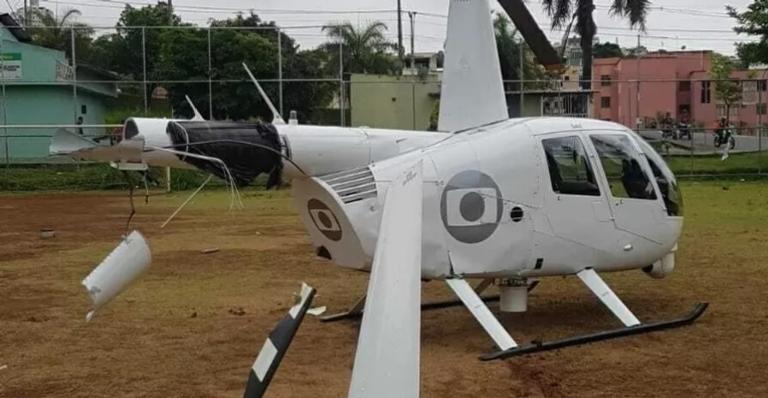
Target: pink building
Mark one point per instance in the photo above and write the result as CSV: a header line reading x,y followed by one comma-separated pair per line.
x,y
675,82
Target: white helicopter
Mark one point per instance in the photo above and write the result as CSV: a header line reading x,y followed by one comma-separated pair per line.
x,y
504,201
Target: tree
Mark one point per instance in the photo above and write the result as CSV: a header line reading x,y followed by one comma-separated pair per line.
x,y
753,22
184,56
563,11
727,90
607,50
365,50
56,32
509,46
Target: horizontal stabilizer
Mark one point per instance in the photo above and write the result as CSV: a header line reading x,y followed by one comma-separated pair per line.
x,y
65,142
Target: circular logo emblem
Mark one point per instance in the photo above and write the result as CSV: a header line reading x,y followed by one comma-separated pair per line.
x,y
324,219
471,206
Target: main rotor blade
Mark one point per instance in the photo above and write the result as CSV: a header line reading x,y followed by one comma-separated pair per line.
x,y
533,35
388,350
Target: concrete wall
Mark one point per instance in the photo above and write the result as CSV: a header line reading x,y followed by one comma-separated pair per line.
x,y
43,94
44,105
396,102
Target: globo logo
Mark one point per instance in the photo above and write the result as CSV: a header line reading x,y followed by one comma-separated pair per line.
x,y
324,219
471,207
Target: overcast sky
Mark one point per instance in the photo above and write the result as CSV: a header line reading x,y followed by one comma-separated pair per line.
x,y
672,24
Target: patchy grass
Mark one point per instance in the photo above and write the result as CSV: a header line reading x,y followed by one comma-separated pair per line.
x,y
177,332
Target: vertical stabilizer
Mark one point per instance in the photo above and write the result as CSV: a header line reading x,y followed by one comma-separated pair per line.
x,y
472,91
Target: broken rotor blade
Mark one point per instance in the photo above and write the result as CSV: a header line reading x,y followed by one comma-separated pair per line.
x,y
121,267
276,345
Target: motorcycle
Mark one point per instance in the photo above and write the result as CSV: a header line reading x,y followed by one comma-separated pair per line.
x,y
668,132
725,135
684,131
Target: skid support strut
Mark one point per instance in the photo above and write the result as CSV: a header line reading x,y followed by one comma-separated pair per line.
x,y
632,325
357,310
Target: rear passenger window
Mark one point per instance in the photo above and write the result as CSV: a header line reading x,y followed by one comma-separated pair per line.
x,y
623,167
569,167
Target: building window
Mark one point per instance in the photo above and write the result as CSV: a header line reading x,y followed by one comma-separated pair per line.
x,y
684,86
706,93
605,80
761,109
569,167
605,102
761,85
84,109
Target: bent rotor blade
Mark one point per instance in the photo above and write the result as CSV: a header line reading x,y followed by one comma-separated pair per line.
x,y
277,344
387,358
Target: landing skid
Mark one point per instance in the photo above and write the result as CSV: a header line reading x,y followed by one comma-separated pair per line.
x,y
539,346
357,310
508,347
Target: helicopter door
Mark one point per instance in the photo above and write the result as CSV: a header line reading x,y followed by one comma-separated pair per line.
x,y
575,203
635,205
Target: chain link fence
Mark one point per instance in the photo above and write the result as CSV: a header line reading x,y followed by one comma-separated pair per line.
x,y
90,89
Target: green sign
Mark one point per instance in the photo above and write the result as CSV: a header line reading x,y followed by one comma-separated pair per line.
x,y
10,56
11,66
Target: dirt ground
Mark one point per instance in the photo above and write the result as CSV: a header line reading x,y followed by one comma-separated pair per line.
x,y
192,326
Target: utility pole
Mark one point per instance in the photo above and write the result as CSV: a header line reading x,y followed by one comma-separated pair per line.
x,y
26,14
412,16
400,52
170,12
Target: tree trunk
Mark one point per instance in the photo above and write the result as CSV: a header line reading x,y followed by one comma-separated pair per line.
x,y
587,30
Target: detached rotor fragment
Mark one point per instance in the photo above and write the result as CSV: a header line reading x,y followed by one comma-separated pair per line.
x,y
248,150
121,267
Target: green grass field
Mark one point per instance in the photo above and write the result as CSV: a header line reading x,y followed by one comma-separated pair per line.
x,y
743,163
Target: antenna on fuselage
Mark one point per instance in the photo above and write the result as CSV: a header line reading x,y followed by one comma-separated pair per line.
x,y
198,117
276,118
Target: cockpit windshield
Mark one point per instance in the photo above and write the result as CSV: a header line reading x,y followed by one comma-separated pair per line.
x,y
622,165
670,190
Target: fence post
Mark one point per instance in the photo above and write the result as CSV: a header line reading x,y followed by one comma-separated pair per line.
x,y
168,180
522,76
280,68
74,73
210,79
341,84
6,149
144,68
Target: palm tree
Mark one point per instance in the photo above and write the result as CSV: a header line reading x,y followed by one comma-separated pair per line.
x,y
564,11
56,32
365,50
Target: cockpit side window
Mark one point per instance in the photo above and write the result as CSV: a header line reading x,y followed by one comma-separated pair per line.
x,y
569,167
622,164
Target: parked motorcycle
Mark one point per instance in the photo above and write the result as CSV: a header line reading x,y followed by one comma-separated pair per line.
x,y
684,131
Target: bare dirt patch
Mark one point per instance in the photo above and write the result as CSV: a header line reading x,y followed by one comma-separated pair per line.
x,y
193,325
